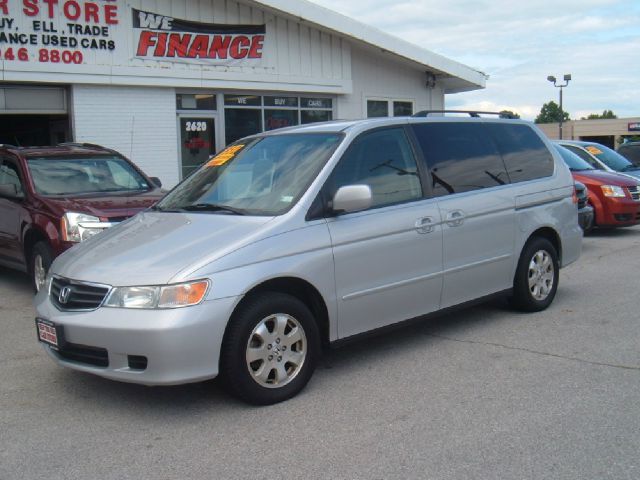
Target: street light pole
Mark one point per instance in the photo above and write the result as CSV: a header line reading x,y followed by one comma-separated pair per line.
x,y
552,79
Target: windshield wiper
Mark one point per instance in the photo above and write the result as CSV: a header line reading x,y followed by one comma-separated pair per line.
x,y
213,207
629,168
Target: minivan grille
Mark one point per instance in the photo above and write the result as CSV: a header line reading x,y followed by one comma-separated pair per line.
x,y
635,192
79,296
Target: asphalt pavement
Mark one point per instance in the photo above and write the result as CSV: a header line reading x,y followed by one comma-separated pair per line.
x,y
485,393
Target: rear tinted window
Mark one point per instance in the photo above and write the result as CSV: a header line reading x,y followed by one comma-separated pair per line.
x,y
525,155
461,157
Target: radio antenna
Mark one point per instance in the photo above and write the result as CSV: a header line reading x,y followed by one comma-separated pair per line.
x,y
133,126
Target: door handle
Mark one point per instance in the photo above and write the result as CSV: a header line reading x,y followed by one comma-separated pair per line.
x,y
424,225
455,218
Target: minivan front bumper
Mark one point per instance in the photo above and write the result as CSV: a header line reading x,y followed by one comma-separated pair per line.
x,y
150,347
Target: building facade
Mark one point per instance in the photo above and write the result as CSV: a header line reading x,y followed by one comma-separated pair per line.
x,y
609,132
168,83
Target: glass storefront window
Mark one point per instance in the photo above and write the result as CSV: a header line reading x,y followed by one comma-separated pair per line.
x,y
281,101
402,109
377,108
316,102
280,118
240,122
312,116
188,101
243,100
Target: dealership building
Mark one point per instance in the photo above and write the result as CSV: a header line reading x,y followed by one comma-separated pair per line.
x,y
168,83
610,132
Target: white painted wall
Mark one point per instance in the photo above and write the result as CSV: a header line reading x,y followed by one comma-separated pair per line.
x,y
296,56
139,122
377,75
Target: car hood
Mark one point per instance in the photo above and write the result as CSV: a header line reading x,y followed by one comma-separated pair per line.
x,y
632,173
604,178
152,247
106,205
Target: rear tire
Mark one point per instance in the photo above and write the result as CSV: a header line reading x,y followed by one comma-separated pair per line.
x,y
270,349
39,264
536,280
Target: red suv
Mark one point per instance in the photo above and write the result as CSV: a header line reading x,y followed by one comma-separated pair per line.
x,y
54,197
615,197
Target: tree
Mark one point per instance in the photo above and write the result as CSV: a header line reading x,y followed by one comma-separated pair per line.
x,y
551,113
509,114
605,114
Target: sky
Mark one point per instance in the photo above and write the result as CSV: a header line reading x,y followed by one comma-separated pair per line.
x,y
519,43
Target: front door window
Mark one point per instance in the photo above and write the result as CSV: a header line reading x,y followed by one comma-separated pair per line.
x,y
197,142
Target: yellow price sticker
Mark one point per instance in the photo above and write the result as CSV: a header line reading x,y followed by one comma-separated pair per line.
x,y
593,150
224,156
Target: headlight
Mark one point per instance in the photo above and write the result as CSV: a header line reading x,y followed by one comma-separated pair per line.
x,y
612,191
152,297
75,229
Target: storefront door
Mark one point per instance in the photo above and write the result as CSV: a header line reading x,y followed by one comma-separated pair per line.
x,y
197,141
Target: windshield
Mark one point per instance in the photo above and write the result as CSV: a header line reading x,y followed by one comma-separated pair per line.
x,y
631,152
78,175
263,176
573,161
611,159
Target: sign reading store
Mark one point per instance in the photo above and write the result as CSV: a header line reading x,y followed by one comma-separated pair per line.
x,y
56,31
81,32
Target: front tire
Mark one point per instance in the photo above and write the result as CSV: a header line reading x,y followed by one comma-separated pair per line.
x,y
536,280
39,264
270,349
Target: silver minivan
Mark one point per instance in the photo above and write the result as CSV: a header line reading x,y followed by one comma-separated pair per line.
x,y
299,238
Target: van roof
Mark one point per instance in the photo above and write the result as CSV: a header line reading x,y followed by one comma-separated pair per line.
x,y
336,126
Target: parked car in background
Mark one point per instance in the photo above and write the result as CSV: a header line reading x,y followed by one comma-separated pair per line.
x,y
615,197
630,151
601,157
310,235
585,211
52,198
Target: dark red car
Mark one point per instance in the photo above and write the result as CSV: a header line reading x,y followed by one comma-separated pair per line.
x,y
615,197
54,197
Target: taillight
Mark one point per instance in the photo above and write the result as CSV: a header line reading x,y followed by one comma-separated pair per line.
x,y
575,194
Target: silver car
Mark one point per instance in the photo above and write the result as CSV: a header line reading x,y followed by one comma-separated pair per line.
x,y
295,239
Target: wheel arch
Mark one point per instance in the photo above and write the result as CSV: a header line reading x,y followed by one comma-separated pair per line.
x,y
31,237
303,291
549,234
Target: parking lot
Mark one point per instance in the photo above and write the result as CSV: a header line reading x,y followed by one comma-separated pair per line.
x,y
484,393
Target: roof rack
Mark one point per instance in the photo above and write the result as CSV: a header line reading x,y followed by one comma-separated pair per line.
x,y
471,113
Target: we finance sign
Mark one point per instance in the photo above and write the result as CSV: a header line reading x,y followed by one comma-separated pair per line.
x,y
163,38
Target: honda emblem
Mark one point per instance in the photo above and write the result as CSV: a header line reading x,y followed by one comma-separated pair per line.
x,y
63,296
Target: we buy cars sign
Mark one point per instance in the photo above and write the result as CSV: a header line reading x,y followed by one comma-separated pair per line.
x,y
163,38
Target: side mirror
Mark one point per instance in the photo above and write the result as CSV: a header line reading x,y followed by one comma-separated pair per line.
x,y
352,198
156,181
9,190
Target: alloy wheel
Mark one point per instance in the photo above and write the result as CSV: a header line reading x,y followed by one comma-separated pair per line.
x,y
541,275
276,350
